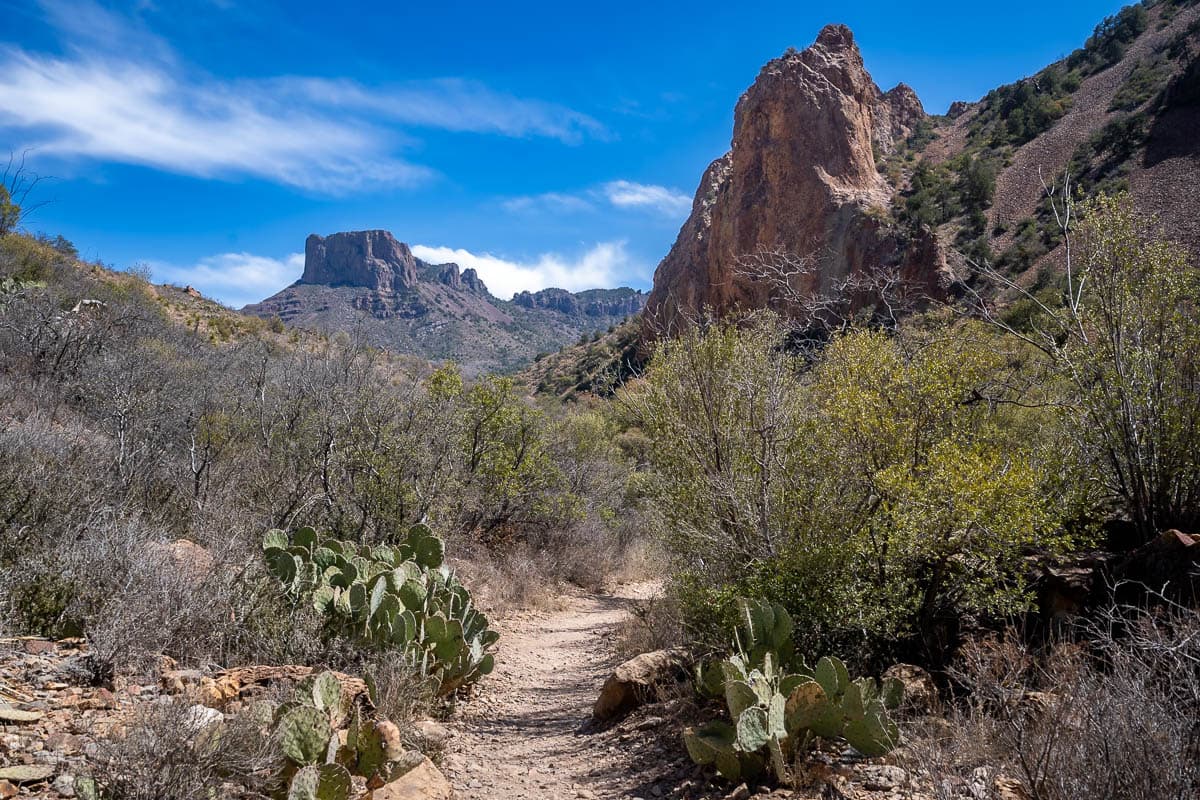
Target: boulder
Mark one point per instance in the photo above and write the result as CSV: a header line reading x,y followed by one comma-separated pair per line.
x,y
423,782
920,692
640,680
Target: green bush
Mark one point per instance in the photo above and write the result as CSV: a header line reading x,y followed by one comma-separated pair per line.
x,y
873,495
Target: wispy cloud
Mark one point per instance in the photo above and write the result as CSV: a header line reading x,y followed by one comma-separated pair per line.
x,y
658,200
552,202
451,104
627,194
605,264
98,102
235,279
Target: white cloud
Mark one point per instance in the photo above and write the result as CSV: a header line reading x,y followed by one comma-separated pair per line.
x,y
99,102
603,265
235,279
552,202
627,194
622,194
451,104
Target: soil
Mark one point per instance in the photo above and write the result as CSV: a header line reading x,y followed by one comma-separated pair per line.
x,y
529,731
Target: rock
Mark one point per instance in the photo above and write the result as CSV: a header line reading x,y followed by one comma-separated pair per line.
x,y
882,777
800,178
189,558
638,680
180,681
199,718
423,782
27,773
958,108
741,792
373,259
1008,789
16,716
233,684
920,692
433,733
65,785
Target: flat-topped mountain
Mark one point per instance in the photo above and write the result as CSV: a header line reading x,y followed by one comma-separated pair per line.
x,y
371,284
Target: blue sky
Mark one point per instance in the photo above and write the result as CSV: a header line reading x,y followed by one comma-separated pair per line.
x,y
543,143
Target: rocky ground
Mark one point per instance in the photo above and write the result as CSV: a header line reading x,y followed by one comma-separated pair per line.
x,y
50,720
528,733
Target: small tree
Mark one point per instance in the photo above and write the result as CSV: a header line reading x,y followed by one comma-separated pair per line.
x,y
1126,342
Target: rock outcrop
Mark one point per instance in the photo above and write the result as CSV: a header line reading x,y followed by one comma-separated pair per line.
x,y
591,303
371,259
800,178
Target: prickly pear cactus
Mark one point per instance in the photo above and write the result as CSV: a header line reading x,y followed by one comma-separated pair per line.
x,y
398,597
304,735
775,713
324,782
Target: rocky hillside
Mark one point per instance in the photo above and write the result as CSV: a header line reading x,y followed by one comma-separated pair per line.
x,y
370,284
830,170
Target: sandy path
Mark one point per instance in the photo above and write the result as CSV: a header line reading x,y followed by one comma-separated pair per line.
x,y
527,734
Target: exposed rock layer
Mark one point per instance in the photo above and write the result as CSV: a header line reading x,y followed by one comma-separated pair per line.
x,y
800,178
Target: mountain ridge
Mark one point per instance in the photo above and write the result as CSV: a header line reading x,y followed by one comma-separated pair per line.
x,y
372,284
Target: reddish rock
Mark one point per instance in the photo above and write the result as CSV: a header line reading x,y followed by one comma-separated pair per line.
x,y
638,681
800,178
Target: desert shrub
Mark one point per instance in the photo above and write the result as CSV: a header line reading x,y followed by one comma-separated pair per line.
x,y
882,492
1112,37
1114,717
1145,81
1124,345
172,750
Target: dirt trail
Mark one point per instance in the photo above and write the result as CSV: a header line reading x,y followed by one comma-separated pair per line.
x,y
527,734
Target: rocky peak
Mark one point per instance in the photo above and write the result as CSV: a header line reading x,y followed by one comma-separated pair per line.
x,y
897,114
466,281
800,177
554,299
373,259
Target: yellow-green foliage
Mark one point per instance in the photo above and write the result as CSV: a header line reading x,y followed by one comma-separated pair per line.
x,y
884,487
942,495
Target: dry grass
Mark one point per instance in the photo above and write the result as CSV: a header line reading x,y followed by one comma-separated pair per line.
x,y
1117,717
171,752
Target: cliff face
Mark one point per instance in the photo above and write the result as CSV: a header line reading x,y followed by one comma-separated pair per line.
x,y
591,303
800,177
372,259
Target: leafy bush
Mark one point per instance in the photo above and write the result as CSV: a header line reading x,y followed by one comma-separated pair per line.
x,y
881,492
391,597
1125,344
